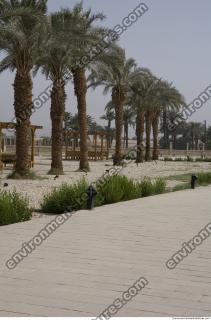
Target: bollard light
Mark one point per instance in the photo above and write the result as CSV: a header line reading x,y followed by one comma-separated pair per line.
x,y
193,181
91,194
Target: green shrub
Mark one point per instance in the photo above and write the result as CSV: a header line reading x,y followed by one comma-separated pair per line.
x,y
130,157
66,198
179,159
168,159
159,186
181,186
146,187
203,159
204,178
190,159
114,189
13,208
149,188
118,188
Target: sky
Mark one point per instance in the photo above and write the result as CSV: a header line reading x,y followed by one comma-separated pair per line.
x,y
172,39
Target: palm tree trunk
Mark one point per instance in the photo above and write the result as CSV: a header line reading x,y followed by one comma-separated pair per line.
x,y
155,128
148,135
165,130
80,92
57,117
23,111
126,135
109,130
124,139
140,136
118,99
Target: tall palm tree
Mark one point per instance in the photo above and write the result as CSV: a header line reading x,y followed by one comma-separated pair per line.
x,y
20,36
137,100
114,72
54,60
166,98
90,36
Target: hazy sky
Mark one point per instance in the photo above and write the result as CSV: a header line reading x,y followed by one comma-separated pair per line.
x,y
172,39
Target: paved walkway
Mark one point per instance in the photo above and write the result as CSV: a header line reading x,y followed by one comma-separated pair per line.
x,y
95,256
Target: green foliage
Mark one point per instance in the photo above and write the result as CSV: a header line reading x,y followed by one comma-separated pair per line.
x,y
204,178
131,157
159,186
146,187
114,189
149,188
118,188
180,187
180,177
66,198
189,159
13,208
203,160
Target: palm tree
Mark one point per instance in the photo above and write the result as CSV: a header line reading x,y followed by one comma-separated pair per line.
x,y
72,123
108,116
20,35
90,35
129,120
166,98
54,60
139,100
115,73
151,91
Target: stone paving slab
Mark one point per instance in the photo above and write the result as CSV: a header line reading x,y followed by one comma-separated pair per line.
x,y
95,256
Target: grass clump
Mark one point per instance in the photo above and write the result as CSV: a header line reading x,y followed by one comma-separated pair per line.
x,y
149,188
118,188
13,208
66,198
180,177
159,186
204,178
146,187
180,187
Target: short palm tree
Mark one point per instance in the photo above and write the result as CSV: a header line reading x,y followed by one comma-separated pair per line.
x,y
20,36
108,116
72,122
114,72
129,120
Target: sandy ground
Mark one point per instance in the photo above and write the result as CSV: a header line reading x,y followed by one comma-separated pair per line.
x,y
36,189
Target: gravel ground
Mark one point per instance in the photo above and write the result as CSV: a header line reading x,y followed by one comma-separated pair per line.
x,y
35,189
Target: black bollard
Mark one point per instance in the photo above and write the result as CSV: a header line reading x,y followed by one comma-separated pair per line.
x,y
91,193
193,181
